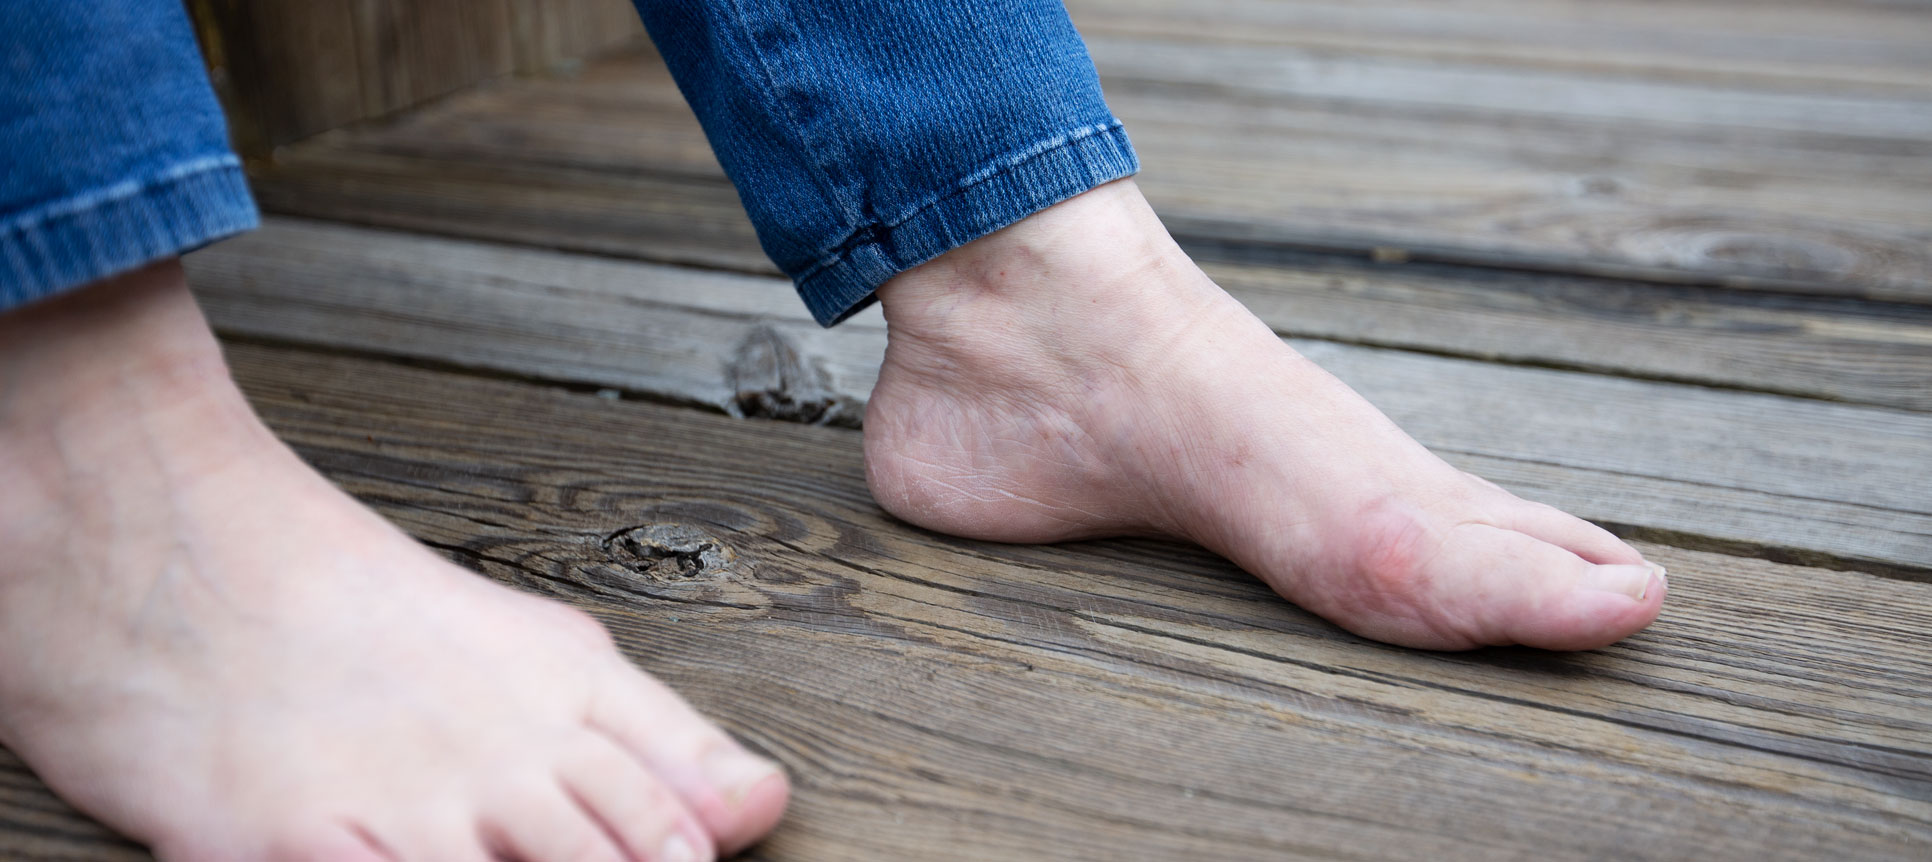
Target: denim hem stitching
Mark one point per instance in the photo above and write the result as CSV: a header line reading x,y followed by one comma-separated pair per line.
x,y
993,168
123,190
82,238
1099,155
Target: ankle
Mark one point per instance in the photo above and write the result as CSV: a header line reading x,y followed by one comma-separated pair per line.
x,y
1092,282
114,388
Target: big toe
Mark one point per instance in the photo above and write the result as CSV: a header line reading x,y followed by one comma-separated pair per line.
x,y
1498,586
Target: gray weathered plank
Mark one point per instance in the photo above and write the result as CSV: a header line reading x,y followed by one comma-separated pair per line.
x,y
1780,475
1129,699
651,216
1805,44
1800,211
1787,143
1834,349
556,163
1697,170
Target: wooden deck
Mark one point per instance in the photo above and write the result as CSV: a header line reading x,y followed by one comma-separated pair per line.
x,y
1668,266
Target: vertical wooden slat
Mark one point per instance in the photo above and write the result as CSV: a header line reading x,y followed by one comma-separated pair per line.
x,y
285,69
552,32
288,69
413,50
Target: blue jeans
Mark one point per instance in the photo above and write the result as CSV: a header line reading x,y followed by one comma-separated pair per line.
x,y
864,136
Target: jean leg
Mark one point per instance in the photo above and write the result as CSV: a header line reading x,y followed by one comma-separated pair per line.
x,y
868,136
113,150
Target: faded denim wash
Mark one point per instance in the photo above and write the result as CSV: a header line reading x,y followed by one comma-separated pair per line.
x,y
868,136
113,151
864,136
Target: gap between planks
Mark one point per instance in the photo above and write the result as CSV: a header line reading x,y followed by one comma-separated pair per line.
x,y
1816,181
1123,699
1803,480
1774,688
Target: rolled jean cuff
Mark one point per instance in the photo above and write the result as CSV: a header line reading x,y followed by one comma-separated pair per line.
x,y
86,237
1002,192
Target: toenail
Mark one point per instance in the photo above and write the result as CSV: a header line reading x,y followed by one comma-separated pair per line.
x,y
733,773
1663,577
676,849
1632,581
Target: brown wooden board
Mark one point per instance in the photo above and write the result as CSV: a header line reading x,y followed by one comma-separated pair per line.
x,y
945,699
413,50
1786,144
1748,472
1832,348
648,216
1788,156
284,70
598,164
559,34
288,69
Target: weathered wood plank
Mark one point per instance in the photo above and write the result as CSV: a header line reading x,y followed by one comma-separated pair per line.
x,y
1803,44
552,33
652,216
284,70
1809,185
949,699
414,50
1775,209
1829,348
545,163
288,69
1786,143
1780,476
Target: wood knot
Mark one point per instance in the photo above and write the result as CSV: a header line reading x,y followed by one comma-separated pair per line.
x,y
669,552
770,380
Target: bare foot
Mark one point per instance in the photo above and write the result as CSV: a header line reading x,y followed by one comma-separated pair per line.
x,y
215,651
1076,375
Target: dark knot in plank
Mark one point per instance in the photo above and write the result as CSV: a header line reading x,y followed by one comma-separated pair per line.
x,y
669,552
769,379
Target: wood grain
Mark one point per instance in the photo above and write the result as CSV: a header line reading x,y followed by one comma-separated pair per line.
x,y
1757,177
552,34
1803,44
1789,157
1741,207
668,219
1786,477
1126,699
1784,144
1816,347
414,50
284,70
556,164
288,69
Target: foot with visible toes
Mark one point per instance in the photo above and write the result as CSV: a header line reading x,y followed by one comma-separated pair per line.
x,y
1076,375
215,651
